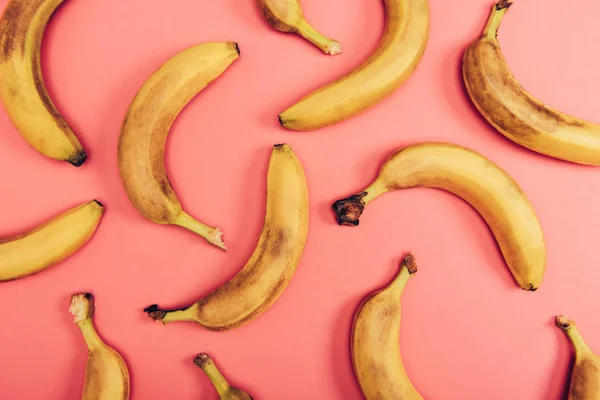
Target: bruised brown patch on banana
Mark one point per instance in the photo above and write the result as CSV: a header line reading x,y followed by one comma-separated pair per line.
x,y
349,210
12,32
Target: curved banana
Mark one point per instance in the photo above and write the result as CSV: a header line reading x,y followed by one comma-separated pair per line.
x,y
146,126
514,112
585,378
274,261
392,62
478,181
22,88
106,374
225,390
375,347
53,241
286,16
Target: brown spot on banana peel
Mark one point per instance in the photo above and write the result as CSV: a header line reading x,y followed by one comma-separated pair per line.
x,y
349,210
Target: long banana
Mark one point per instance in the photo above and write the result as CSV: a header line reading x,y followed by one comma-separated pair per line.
x,y
146,126
22,88
478,181
514,112
375,345
51,242
286,16
391,63
224,389
274,261
106,374
585,378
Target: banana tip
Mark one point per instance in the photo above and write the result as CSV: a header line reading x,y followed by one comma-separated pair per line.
x,y
334,48
216,238
82,306
155,312
78,159
410,263
201,360
503,4
349,210
563,322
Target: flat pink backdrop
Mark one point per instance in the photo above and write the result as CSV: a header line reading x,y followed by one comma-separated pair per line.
x,y
468,331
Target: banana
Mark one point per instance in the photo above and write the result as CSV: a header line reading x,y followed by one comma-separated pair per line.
x,y
375,348
272,265
106,374
147,123
585,378
514,112
53,241
478,181
225,390
286,16
391,63
22,88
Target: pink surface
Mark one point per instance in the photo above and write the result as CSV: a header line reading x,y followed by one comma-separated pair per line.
x,y
468,331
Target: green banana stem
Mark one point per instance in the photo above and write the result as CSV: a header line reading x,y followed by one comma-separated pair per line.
x,y
493,24
206,364
312,35
570,329
212,235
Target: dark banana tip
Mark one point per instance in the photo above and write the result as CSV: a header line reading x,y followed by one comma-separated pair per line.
x,y
410,263
201,360
281,121
155,312
348,211
78,159
531,288
502,4
237,48
98,202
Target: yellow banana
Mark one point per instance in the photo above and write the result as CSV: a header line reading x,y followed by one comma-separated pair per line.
x,y
478,181
49,243
225,390
387,68
585,378
286,16
146,126
22,88
514,112
272,265
375,342
106,374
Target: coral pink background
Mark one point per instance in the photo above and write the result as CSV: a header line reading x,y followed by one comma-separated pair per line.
x,y
468,331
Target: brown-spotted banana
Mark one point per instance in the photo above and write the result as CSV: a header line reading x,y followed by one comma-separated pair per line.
x,y
22,88
224,389
106,374
375,341
49,243
392,62
274,261
286,16
478,181
147,123
514,112
585,377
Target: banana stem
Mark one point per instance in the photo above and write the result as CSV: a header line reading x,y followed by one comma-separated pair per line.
x,y
91,337
212,235
206,364
407,269
349,210
327,45
493,23
570,329
168,316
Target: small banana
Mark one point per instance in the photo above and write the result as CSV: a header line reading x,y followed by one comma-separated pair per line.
x,y
53,241
286,16
106,374
226,392
391,63
146,126
585,378
514,112
22,88
478,181
274,261
375,341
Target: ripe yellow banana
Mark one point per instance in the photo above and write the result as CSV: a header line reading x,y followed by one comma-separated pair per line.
x,y
106,374
375,341
49,243
225,390
387,68
286,16
478,181
514,112
274,261
585,378
22,88
146,126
